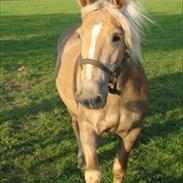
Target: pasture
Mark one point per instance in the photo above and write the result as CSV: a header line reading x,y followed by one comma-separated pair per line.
x,y
36,139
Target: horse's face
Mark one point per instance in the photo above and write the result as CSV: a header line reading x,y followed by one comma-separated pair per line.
x,y
101,40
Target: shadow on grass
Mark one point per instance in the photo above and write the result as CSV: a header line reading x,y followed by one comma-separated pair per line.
x,y
37,35
167,36
31,110
24,38
29,33
156,175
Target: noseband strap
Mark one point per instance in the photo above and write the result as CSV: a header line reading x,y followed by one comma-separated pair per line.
x,y
113,75
96,64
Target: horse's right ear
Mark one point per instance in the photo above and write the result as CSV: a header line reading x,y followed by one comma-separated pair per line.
x,y
120,3
84,3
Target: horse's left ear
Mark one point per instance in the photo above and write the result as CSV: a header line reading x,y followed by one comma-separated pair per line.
x,y
120,3
84,3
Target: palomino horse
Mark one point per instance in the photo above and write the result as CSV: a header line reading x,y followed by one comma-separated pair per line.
x,y
101,80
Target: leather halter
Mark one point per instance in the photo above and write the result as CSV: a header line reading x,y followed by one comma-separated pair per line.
x,y
113,75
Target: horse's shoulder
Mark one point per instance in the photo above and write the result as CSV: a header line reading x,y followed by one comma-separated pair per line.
x,y
136,73
136,90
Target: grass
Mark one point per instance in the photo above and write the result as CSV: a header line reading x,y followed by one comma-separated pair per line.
x,y
36,139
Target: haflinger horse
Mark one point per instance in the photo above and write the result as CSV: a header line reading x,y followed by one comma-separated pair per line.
x,y
101,80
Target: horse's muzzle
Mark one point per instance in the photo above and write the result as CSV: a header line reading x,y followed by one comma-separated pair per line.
x,y
92,102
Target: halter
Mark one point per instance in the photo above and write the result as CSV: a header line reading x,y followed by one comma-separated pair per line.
x,y
113,75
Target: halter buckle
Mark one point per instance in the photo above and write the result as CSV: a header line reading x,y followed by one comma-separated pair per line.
x,y
113,84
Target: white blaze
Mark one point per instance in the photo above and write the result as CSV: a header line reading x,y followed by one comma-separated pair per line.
x,y
94,33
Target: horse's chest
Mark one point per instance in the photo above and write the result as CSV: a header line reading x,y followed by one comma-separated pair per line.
x,y
113,121
125,121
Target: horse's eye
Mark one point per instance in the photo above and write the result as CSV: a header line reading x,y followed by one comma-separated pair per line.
x,y
116,38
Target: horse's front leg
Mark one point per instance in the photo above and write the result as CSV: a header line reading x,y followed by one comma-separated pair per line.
x,y
75,126
120,163
89,145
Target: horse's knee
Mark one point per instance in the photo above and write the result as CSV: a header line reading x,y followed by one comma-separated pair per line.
x,y
92,176
118,171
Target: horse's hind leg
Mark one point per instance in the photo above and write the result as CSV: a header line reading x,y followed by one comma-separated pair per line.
x,y
75,127
120,163
89,145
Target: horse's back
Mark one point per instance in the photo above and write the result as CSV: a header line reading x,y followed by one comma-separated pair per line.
x,y
68,49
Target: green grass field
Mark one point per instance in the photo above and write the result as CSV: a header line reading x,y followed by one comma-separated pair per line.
x,y
36,139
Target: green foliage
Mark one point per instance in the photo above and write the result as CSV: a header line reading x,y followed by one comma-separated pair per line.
x,y
36,139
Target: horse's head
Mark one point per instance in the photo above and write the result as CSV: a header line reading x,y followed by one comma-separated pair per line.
x,y
103,36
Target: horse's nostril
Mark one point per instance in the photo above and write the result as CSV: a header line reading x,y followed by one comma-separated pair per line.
x,y
98,100
89,100
86,102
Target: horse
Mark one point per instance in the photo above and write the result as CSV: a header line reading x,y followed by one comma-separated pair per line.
x,y
101,80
